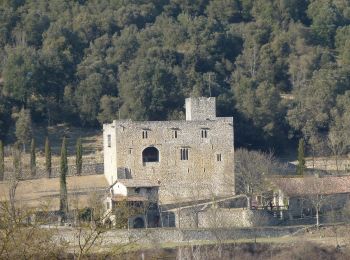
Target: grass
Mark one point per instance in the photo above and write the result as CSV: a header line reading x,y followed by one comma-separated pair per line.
x,y
91,141
44,192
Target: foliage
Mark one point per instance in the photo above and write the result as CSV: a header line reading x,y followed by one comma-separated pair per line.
x,y
17,162
63,182
19,240
79,156
89,62
23,127
2,161
301,158
33,157
48,160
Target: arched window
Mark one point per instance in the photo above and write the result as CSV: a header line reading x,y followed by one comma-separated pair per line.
x,y
150,154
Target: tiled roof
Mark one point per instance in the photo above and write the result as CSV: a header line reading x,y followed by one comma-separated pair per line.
x,y
129,198
299,186
137,183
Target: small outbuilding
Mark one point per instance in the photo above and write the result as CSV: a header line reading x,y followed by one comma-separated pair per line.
x,y
132,203
299,197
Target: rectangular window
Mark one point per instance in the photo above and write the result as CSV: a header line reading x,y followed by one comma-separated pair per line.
x,y
184,154
144,134
175,134
204,133
109,140
218,157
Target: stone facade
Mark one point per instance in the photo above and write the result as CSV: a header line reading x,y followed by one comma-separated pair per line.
x,y
217,218
191,159
171,235
228,218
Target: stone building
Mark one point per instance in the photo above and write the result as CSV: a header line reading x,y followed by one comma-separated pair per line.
x,y
193,159
132,201
298,197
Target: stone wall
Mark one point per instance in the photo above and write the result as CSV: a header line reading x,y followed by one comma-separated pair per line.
x,y
194,217
201,108
203,174
161,236
226,218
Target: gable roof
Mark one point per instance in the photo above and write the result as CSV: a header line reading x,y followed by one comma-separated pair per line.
x,y
303,186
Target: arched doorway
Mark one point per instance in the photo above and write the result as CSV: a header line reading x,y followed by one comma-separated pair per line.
x,y
139,223
150,154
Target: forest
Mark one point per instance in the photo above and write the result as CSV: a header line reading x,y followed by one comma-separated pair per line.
x,y
281,68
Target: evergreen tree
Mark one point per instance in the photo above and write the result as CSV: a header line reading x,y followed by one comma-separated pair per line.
x,y
301,158
32,158
2,161
63,182
79,156
48,157
23,127
17,161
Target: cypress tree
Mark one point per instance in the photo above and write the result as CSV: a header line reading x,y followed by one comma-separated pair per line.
x,y
23,127
79,156
32,158
2,161
301,158
17,161
48,157
63,183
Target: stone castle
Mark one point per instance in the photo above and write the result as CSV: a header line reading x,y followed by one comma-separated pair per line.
x,y
191,159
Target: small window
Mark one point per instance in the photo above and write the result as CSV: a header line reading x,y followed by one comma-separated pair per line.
x,y
137,190
109,140
130,150
184,154
204,133
218,157
144,134
175,134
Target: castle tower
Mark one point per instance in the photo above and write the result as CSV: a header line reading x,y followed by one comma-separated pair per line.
x,y
200,109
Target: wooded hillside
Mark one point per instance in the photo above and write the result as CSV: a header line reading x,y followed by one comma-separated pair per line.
x,y
88,62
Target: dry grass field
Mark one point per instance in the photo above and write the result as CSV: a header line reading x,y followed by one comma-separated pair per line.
x,y
44,192
91,140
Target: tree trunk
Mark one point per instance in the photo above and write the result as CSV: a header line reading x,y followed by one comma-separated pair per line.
x,y
317,218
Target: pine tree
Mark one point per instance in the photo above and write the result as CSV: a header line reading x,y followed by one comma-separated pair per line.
x,y
48,157
63,182
32,158
301,158
2,161
79,156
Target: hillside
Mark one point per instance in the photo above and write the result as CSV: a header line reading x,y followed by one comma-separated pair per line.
x,y
87,62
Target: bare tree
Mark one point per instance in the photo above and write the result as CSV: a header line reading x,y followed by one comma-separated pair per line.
x,y
252,167
315,189
20,236
338,142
